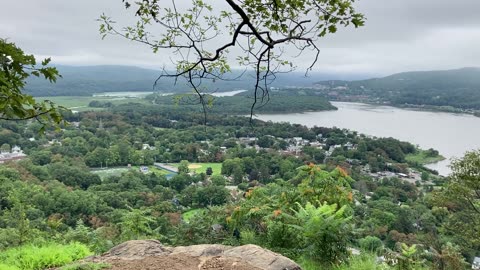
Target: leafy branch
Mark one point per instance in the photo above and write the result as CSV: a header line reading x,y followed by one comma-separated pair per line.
x,y
15,105
259,34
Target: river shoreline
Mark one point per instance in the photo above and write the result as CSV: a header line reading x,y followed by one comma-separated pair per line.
x,y
423,108
452,134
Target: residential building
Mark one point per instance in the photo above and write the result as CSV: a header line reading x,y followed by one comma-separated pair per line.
x,y
15,154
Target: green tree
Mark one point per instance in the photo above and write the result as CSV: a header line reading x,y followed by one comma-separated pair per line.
x,y
180,181
73,176
41,157
332,187
371,244
425,176
286,168
15,68
218,180
183,167
449,257
230,165
211,195
136,223
5,148
265,141
461,196
209,171
16,217
237,175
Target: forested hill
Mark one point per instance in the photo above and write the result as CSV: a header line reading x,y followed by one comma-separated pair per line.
x,y
86,80
458,88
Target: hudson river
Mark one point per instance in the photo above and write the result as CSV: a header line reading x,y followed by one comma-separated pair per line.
x,y
451,134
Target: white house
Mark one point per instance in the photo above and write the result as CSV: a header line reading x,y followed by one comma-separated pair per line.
x,y
146,146
476,263
16,154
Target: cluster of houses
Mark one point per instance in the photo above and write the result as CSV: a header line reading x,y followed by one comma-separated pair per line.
x,y
296,144
16,153
412,176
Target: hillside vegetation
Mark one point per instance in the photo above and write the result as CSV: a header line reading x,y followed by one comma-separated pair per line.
x,y
459,88
310,194
241,104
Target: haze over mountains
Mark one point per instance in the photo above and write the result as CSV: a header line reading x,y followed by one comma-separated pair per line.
x,y
86,80
459,88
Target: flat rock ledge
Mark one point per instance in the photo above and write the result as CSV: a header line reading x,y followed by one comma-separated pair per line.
x,y
152,255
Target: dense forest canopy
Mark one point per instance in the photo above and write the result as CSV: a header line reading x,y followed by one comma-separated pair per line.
x,y
260,186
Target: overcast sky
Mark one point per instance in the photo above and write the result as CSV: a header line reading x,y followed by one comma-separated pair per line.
x,y
400,35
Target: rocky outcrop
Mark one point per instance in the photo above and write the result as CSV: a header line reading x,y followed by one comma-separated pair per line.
x,y
151,254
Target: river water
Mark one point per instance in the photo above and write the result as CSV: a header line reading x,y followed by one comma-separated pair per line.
x,y
451,134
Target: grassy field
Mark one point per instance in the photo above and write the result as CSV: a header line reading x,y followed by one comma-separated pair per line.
x,y
104,173
190,214
153,169
421,157
80,103
202,167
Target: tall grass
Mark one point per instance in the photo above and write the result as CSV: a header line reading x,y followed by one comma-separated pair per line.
x,y
361,262
7,267
31,257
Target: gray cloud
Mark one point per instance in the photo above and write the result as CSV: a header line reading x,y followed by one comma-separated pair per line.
x,y
399,35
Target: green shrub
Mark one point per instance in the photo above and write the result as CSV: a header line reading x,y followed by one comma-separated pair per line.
x,y
281,235
248,237
371,244
326,232
364,261
243,186
9,237
30,257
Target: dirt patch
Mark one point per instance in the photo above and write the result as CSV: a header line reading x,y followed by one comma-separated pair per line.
x,y
194,166
157,263
181,262
217,263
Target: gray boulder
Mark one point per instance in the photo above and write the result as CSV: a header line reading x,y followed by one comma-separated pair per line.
x,y
195,257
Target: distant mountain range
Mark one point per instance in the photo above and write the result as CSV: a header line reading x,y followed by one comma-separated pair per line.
x,y
459,88
87,80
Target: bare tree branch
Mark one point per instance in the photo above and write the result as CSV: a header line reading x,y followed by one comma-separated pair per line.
x,y
261,29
